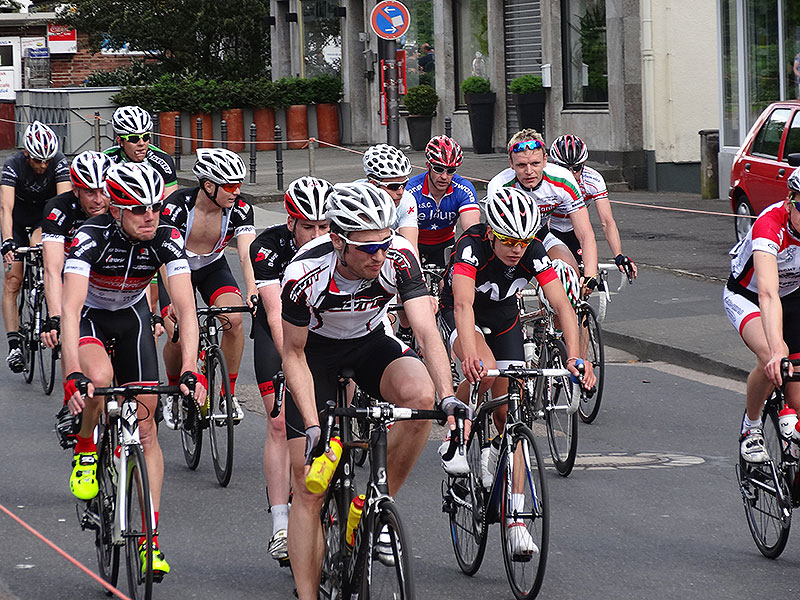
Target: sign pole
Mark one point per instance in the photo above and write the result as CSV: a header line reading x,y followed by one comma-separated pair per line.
x,y
392,104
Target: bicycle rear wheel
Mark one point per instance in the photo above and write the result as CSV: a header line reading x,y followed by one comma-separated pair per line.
x,y
560,417
103,506
26,329
139,513
47,357
525,516
765,494
191,427
381,579
596,354
221,415
334,520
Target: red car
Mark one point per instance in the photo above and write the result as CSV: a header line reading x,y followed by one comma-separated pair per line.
x,y
764,162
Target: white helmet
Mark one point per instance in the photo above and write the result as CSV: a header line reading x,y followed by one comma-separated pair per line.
x,y
569,279
40,141
131,119
360,207
307,198
88,170
511,212
383,161
134,184
219,166
793,183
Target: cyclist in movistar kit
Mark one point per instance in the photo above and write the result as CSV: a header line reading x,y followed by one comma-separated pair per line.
x,y
30,178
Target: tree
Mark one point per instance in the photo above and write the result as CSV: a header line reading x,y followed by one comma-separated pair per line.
x,y
206,37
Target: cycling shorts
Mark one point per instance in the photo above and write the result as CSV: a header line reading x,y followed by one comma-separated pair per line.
x,y
266,359
23,224
503,332
742,310
571,241
436,254
211,281
368,356
550,240
135,359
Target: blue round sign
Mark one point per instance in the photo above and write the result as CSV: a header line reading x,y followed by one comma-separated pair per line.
x,y
390,19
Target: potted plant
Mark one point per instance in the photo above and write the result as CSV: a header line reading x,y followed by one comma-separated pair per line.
x,y
295,95
167,101
326,92
528,95
231,101
480,103
261,96
203,97
420,102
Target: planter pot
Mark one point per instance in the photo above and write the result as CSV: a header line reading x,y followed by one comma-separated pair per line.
x,y
166,129
264,118
481,121
235,121
328,123
207,134
419,131
530,110
297,125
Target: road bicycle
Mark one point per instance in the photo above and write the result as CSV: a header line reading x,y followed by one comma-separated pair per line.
x,y
359,568
771,490
33,315
121,515
217,414
513,494
604,296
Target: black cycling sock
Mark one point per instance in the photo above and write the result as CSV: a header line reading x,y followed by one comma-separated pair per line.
x,y
14,339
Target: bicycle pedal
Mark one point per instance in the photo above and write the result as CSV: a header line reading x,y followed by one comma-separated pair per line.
x,y
283,563
158,576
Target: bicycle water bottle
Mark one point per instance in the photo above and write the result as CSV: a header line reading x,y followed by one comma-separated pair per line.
x,y
530,351
353,517
795,443
117,462
787,422
323,467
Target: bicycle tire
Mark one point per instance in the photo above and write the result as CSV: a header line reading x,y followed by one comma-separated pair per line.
x,y
334,520
769,514
380,581
220,415
47,356
561,421
139,511
26,316
360,427
589,407
468,526
103,506
525,573
191,432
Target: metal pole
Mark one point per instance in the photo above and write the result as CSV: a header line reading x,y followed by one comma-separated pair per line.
x,y
448,127
312,161
279,156
178,142
392,105
97,131
252,152
223,129
199,127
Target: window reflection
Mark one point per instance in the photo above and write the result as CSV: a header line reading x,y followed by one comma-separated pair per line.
x,y
585,51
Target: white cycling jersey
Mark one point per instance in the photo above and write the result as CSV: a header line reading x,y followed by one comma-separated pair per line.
x,y
592,186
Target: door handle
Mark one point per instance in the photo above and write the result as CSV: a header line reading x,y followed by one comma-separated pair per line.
x,y
746,166
781,173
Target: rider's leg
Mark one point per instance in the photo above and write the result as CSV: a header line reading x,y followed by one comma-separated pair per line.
x,y
232,338
759,386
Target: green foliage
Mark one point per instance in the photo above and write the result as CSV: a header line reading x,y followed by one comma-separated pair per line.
x,y
594,52
325,89
475,85
421,101
260,93
138,72
293,90
525,84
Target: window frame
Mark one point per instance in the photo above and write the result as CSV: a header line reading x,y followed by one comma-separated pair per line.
x,y
566,60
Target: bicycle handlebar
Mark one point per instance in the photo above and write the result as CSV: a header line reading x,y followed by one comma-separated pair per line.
x,y
129,391
22,250
785,377
214,311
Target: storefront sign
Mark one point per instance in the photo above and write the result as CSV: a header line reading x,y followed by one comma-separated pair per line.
x,y
62,39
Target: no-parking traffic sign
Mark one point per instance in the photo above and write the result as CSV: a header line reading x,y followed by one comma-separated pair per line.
x,y
390,19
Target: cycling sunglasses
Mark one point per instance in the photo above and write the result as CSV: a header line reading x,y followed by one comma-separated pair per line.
x,y
512,242
394,185
39,161
439,169
576,168
527,145
134,138
230,187
370,247
140,209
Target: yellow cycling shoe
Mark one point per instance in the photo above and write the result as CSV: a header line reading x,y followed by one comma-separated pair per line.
x,y
160,564
83,481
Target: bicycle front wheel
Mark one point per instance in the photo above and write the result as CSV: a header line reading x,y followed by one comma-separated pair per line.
x,y
103,506
139,513
596,354
47,356
191,432
559,415
360,426
26,330
525,522
334,520
221,415
387,568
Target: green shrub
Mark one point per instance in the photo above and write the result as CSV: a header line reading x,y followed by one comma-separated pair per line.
x,y
525,84
421,101
326,89
475,85
293,90
138,72
260,92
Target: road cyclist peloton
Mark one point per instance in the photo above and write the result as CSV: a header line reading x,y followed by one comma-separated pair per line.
x,y
444,198
305,201
30,178
570,151
111,262
335,296
63,215
209,217
552,188
762,301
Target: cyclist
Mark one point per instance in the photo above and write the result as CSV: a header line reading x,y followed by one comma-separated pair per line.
x,y
305,200
30,178
569,151
111,261
762,300
552,188
334,298
443,199
133,132
490,263
64,214
208,217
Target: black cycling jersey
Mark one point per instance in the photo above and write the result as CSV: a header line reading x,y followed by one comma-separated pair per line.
x,y
31,192
63,215
158,159
119,270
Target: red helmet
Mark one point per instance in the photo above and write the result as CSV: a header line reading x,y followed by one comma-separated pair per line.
x,y
444,151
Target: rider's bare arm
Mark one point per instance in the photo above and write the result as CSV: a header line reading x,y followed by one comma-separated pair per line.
x,y
298,375
585,234
423,323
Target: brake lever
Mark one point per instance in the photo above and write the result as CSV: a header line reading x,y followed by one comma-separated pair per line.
x,y
279,387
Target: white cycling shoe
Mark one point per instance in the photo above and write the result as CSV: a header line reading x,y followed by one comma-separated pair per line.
x,y
457,465
520,541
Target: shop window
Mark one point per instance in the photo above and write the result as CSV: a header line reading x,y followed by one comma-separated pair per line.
x,y
471,39
761,45
322,40
417,43
730,74
585,55
791,44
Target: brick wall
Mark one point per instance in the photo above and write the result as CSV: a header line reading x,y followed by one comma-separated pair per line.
x,y
72,69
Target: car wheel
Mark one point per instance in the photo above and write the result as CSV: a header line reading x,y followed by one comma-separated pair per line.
x,y
743,221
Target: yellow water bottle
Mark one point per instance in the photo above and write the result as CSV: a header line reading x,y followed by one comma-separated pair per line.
x,y
323,467
353,517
